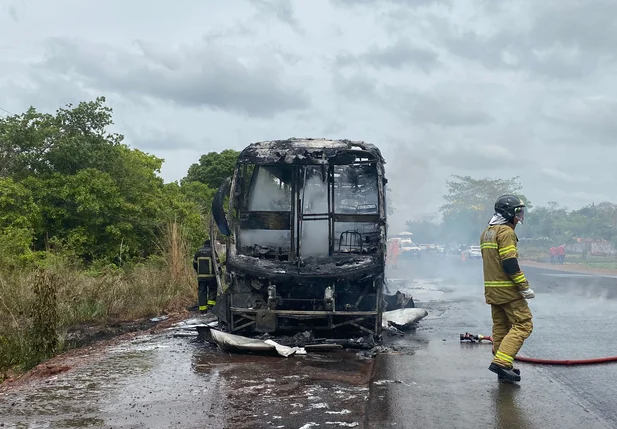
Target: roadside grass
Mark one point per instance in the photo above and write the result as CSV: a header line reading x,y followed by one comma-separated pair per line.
x,y
591,261
607,265
40,304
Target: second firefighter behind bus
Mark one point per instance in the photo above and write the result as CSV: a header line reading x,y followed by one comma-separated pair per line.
x,y
206,278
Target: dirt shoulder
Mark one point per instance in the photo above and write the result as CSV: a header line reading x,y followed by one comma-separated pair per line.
x,y
572,268
97,339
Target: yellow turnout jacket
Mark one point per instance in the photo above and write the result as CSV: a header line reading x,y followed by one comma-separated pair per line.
x,y
498,243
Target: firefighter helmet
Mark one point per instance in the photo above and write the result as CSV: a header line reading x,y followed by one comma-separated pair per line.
x,y
510,207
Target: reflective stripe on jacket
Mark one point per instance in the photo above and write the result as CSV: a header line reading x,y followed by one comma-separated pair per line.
x,y
498,243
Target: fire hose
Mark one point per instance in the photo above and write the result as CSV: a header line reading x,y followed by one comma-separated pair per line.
x,y
467,337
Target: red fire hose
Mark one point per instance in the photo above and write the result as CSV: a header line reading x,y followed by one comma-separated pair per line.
x,y
566,362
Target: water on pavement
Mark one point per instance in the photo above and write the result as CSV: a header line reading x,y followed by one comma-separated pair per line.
x,y
427,380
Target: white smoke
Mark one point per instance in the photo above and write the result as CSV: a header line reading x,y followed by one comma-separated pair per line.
x,y
353,191
315,233
268,194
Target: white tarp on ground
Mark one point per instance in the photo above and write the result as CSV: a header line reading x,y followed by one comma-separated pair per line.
x,y
403,318
232,342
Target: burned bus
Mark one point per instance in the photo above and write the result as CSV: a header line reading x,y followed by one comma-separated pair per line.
x,y
304,222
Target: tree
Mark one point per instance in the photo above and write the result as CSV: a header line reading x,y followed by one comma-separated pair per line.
x,y
94,196
73,139
470,204
213,168
19,220
426,229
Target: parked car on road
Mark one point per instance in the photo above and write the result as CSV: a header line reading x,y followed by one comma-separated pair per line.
x,y
410,249
472,252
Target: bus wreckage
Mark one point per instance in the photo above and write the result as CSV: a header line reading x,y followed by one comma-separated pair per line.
x,y
305,235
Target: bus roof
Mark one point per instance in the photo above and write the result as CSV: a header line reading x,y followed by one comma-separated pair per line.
x,y
308,151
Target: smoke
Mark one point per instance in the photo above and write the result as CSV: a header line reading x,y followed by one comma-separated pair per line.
x,y
355,192
268,193
268,238
315,233
415,188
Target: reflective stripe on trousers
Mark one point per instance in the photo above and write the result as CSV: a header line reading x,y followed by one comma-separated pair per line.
x,y
512,325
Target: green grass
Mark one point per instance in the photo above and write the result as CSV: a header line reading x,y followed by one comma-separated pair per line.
x,y
30,318
38,305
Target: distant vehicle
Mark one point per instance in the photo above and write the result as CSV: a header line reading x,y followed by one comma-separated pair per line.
x,y
409,249
473,252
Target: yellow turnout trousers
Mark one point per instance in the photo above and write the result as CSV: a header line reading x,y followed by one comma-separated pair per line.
x,y
512,325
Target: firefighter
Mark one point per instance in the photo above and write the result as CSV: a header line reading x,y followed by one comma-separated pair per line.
x,y
206,280
505,287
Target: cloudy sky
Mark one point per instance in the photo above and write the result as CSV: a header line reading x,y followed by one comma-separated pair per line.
x,y
487,88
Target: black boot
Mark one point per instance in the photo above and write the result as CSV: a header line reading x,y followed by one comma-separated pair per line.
x,y
514,370
505,374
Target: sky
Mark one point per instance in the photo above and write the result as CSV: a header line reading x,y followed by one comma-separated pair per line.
x,y
443,87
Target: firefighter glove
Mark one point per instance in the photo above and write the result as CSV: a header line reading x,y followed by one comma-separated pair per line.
x,y
528,293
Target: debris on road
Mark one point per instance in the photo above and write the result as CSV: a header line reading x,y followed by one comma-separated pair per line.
x,y
398,300
403,318
238,343
159,319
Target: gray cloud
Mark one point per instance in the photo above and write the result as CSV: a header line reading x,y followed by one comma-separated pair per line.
x,y
568,39
13,13
511,51
564,176
444,106
357,86
396,56
575,24
438,107
159,139
204,76
407,3
473,156
485,88
281,10
584,120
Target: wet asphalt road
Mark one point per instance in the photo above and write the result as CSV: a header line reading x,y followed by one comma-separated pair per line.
x,y
429,380
447,384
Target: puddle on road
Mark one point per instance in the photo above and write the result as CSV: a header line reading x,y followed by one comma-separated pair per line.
x,y
163,381
297,390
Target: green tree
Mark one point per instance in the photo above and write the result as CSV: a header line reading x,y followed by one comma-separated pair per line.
x,y
97,197
73,139
213,168
19,220
470,204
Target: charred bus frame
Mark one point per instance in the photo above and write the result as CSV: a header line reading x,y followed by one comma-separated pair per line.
x,y
305,238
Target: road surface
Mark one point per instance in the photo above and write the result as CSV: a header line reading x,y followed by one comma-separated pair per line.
x,y
427,380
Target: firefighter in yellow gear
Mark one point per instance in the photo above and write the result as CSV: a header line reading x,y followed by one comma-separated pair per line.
x,y
505,287
206,280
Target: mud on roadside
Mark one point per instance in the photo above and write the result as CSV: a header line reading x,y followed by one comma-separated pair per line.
x,y
86,343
